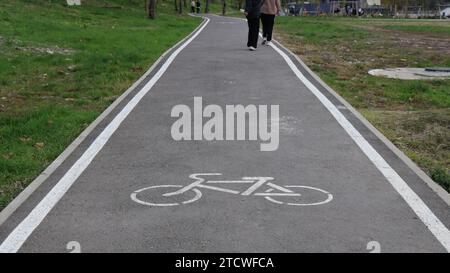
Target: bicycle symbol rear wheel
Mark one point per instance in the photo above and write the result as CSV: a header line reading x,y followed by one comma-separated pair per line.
x,y
138,197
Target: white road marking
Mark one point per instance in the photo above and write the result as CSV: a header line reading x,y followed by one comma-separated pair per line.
x,y
269,193
217,189
277,194
259,183
274,201
280,188
230,181
437,228
21,233
135,198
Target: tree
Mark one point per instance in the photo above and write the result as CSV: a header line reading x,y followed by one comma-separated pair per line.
x,y
392,4
180,6
151,9
207,6
239,4
224,7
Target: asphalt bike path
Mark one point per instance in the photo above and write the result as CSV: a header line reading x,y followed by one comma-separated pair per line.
x,y
331,185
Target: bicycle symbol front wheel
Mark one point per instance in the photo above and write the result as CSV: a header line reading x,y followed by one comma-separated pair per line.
x,y
153,196
308,196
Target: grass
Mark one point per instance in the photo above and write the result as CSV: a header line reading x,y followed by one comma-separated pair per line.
x,y
421,28
61,66
414,115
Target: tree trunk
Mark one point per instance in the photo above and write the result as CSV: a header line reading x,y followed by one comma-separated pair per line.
x,y
180,7
151,6
175,4
406,9
224,7
206,6
395,10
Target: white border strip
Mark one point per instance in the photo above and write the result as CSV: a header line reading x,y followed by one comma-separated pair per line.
x,y
443,194
430,220
21,233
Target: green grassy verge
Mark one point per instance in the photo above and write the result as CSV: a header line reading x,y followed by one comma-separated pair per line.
x,y
420,28
61,66
414,115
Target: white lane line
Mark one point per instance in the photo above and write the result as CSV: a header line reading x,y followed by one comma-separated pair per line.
x,y
430,220
21,233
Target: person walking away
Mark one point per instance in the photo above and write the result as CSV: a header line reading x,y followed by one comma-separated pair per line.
x,y
198,4
252,12
269,9
193,6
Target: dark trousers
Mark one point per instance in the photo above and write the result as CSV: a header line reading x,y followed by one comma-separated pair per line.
x,y
192,9
267,21
253,31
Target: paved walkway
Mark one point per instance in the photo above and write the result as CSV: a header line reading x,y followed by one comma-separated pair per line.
x,y
359,189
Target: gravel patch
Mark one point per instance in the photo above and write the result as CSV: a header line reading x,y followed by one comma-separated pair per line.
x,y
408,73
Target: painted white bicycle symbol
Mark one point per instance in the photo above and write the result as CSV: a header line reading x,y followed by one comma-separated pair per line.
x,y
309,196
